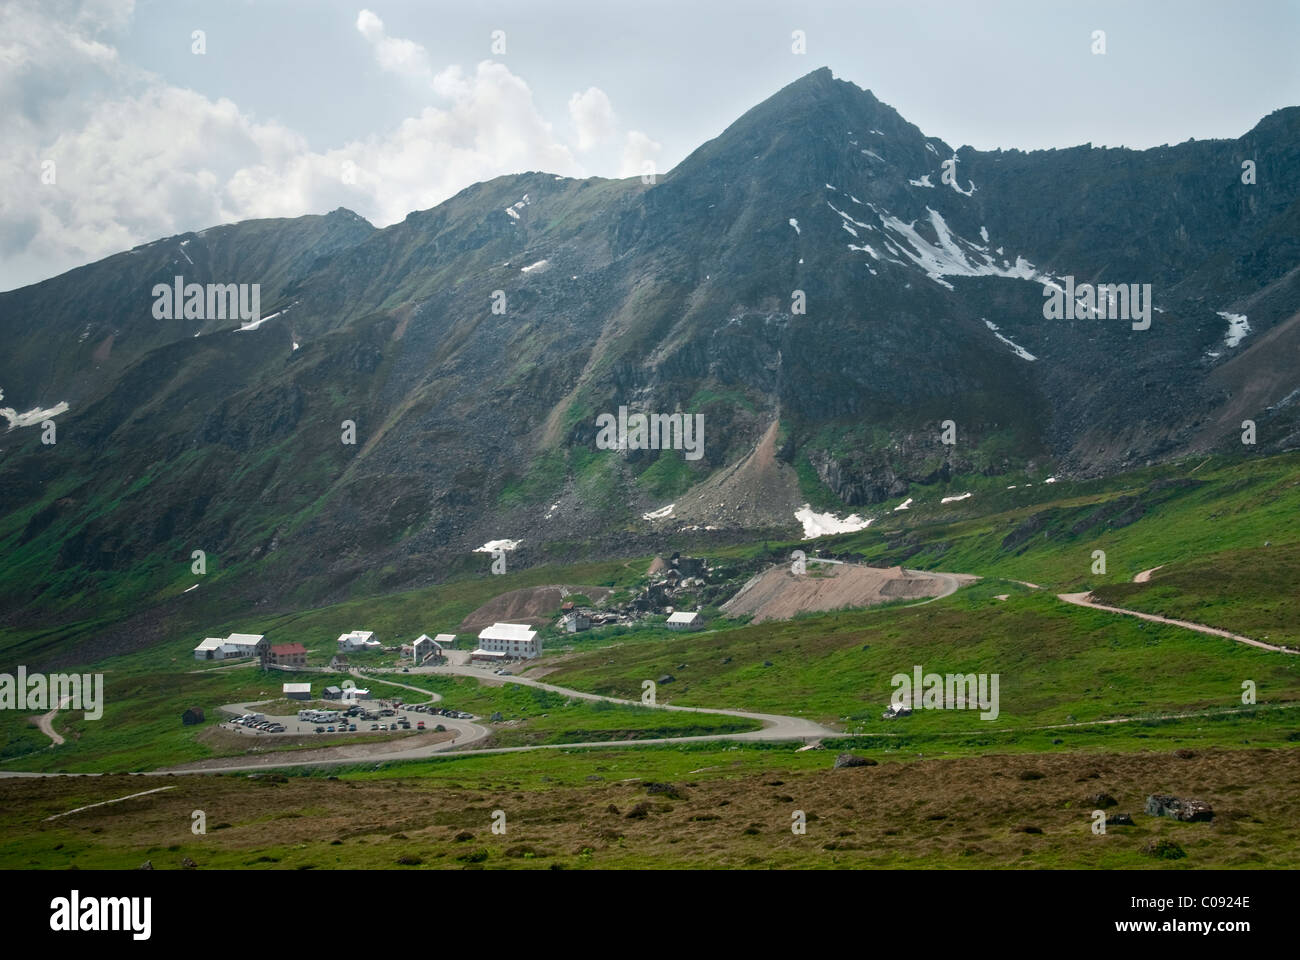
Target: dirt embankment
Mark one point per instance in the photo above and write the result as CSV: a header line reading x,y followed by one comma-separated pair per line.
x,y
755,492
532,605
779,594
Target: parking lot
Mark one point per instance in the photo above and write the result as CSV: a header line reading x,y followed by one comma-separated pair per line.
x,y
371,716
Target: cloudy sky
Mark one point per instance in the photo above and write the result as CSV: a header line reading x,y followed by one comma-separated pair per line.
x,y
301,106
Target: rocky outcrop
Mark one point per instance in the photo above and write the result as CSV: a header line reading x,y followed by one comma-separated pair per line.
x,y
1189,811
850,760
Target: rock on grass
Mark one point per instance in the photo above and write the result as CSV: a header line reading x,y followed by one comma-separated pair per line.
x,y
849,760
1189,811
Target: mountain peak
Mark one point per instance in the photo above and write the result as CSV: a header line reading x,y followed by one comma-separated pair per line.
x,y
822,75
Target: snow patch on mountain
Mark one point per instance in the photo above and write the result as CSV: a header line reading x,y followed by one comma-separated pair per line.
x,y
1019,351
493,545
1238,327
947,258
827,524
856,223
33,417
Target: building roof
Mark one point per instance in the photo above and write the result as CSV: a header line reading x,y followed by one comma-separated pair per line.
x,y
684,616
446,639
487,653
287,649
333,690
297,688
521,632
211,643
245,639
361,635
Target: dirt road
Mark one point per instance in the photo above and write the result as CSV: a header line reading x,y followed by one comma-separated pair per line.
x,y
46,722
775,726
1085,600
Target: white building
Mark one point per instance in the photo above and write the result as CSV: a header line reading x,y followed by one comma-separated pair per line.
x,y
232,647
215,648
297,691
512,639
358,640
425,646
685,620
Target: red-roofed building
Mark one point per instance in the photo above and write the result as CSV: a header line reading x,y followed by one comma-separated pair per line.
x,y
288,655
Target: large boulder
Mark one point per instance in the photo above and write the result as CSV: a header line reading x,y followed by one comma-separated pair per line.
x,y
1189,811
849,760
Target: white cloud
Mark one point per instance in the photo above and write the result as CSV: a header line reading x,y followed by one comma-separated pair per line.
x,y
138,158
394,54
593,116
638,149
490,128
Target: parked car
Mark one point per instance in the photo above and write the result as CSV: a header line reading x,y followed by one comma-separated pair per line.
x,y
320,729
329,729
374,726
352,727
419,725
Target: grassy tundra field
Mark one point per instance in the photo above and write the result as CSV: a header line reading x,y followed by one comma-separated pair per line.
x,y
1097,710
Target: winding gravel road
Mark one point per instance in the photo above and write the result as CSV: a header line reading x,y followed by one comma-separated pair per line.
x,y
1085,600
775,727
45,722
